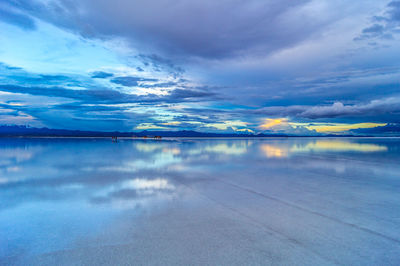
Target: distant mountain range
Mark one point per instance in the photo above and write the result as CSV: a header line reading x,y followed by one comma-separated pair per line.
x,y
12,131
24,131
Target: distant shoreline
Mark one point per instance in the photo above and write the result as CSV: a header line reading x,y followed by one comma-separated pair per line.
x,y
179,137
13,131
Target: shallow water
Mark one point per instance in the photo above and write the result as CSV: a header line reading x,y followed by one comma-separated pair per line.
x,y
296,201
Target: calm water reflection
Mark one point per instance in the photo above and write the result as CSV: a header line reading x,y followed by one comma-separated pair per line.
x,y
72,194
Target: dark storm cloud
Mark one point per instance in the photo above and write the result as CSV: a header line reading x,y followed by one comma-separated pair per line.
x,y
18,76
8,15
281,111
88,108
89,96
376,28
394,10
98,96
181,94
160,64
7,67
83,116
337,109
386,25
209,29
130,81
362,85
20,81
101,74
159,85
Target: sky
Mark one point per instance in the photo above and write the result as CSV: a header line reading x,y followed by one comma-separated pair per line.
x,y
301,67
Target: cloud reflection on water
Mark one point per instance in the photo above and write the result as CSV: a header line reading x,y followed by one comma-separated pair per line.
x,y
102,179
131,193
338,146
274,151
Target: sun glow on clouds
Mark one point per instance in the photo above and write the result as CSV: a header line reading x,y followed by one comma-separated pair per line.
x,y
172,123
280,123
327,128
270,123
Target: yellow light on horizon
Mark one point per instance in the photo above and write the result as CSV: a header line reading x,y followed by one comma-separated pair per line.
x,y
269,122
172,123
342,127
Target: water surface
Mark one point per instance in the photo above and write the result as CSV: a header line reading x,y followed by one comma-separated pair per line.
x,y
296,201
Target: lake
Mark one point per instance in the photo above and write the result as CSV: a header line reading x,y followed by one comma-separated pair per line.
x,y
272,201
